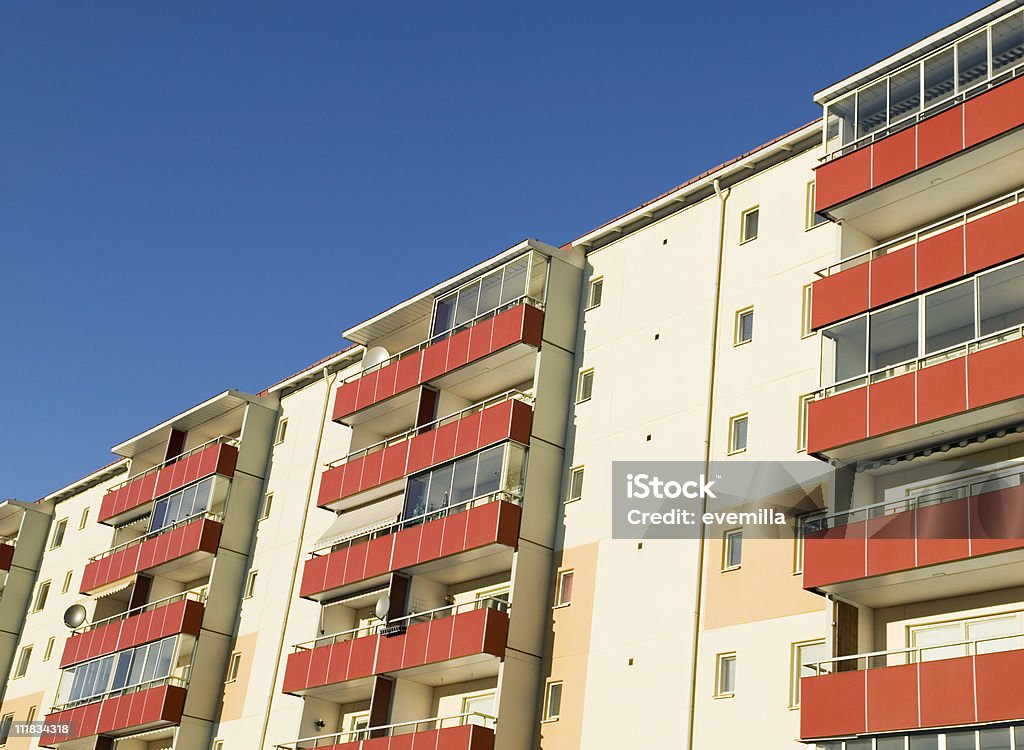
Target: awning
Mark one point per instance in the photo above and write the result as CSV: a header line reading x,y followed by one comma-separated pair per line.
x,y
114,588
363,518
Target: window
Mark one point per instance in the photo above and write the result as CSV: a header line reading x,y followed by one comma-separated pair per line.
x,y
181,505
748,224
552,701
48,651
805,312
725,675
282,431
563,594
585,385
233,665
250,584
802,654
42,592
801,420
494,472
84,519
136,666
594,292
31,716
357,725
744,326
813,218
268,503
218,745
23,659
575,483
732,549
5,728
738,433
949,640
479,708
67,582
58,533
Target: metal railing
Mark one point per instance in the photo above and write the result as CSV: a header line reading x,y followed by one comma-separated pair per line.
x,y
911,238
400,624
919,363
166,601
510,395
390,730
957,490
224,439
157,532
179,681
527,299
915,654
392,527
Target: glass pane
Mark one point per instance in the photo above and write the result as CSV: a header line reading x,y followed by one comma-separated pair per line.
x,y
516,275
444,315
554,699
963,740
152,657
938,77
891,743
893,336
490,292
440,488
202,501
972,59
924,742
734,549
465,308
727,675
871,109
739,434
416,496
1007,43
488,475
811,654
840,128
858,745
846,345
514,470
163,662
905,94
750,221
188,499
463,486
992,632
931,641
995,739
1001,298
1018,737
746,326
156,521
138,662
949,317
122,670
173,509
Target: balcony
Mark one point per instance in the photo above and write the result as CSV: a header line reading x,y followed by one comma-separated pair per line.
x,y
183,552
150,706
379,470
972,241
501,335
964,538
451,644
939,132
178,614
473,731
913,689
470,539
217,456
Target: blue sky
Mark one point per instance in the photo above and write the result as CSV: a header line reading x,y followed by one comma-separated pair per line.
x,y
197,196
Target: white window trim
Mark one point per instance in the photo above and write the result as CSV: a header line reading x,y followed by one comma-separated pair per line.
x,y
590,292
63,525
559,604
250,584
719,659
743,224
583,373
282,431
234,664
737,328
733,450
806,298
575,471
547,719
795,666
726,535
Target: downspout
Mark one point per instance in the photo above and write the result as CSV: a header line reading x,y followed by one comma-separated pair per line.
x,y
329,382
723,196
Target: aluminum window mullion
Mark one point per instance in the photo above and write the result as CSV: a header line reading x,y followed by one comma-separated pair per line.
x,y
977,306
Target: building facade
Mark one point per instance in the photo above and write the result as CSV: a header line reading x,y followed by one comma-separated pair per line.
x,y
410,544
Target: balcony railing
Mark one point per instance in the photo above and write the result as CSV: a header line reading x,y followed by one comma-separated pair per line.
x,y
187,595
532,301
511,395
915,655
222,439
218,517
174,681
401,624
390,730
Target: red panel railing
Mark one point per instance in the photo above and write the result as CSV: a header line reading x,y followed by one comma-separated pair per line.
x,y
150,708
472,731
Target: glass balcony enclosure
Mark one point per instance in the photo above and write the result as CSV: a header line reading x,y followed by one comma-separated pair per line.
x,y
889,341
927,85
178,506
985,738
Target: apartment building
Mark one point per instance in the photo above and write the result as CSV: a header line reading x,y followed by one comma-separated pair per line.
x,y
410,544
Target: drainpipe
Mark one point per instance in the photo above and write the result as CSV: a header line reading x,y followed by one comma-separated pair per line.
x,y
328,383
723,196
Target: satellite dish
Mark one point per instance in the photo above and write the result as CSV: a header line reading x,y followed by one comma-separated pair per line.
x,y
374,356
74,616
382,608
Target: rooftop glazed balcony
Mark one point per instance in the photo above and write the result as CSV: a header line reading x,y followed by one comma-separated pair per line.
x,y
920,140
914,688
466,540
961,538
148,706
178,614
974,240
131,497
183,551
380,469
452,644
472,731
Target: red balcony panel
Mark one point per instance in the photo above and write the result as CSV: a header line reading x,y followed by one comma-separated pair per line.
x,y
445,441
394,464
153,708
841,295
466,439
439,639
940,258
890,543
995,112
1000,685
296,671
314,575
355,562
431,537
894,156
942,390
415,651
405,551
420,450
892,404
453,539
891,698
997,520
218,458
841,178
838,554
351,477
833,705
371,475
468,737
940,136
6,556
947,692
893,276
378,557
520,324
995,238
837,420
987,370
201,535
942,533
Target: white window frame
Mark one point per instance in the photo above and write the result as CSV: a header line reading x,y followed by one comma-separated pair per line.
x,y
584,374
720,660
6,722
250,584
796,663
737,339
548,689
803,404
46,585
806,298
234,667
744,239
727,545
560,600
595,283
575,472
66,586
84,519
60,527
812,219
48,651
24,660
267,506
282,431
733,421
